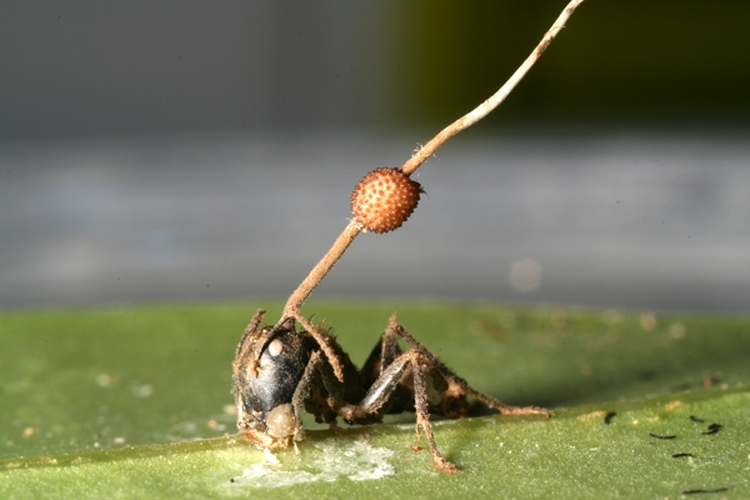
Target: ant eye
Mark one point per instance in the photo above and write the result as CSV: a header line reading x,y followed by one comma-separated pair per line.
x,y
275,347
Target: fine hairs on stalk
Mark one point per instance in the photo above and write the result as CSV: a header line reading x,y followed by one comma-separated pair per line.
x,y
292,309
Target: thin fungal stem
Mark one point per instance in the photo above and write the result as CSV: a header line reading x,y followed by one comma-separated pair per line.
x,y
294,304
493,101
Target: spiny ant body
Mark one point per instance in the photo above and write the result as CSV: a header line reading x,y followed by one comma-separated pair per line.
x,y
279,372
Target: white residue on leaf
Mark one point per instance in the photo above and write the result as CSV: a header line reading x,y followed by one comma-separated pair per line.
x,y
270,457
358,461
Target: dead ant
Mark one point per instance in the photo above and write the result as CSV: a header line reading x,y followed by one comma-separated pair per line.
x,y
279,371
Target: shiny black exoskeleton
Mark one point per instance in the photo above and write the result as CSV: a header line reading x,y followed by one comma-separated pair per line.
x,y
278,372
280,368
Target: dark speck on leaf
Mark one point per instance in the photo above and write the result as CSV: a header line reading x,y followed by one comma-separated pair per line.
x,y
693,492
659,436
712,429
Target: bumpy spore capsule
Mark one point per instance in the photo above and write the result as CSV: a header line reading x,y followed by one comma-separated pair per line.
x,y
384,199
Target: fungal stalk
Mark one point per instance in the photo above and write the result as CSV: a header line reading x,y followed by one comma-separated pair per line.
x,y
385,198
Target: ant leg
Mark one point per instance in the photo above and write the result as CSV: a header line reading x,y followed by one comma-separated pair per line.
x,y
381,357
386,385
389,348
423,417
324,341
323,395
246,357
303,393
507,409
459,384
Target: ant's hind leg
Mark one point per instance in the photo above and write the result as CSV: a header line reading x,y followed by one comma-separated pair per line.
x,y
382,356
384,389
507,409
423,418
460,384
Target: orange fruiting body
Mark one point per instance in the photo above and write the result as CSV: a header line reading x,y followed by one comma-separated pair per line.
x,y
384,199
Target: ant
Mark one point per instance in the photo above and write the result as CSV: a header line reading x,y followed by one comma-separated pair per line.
x,y
279,372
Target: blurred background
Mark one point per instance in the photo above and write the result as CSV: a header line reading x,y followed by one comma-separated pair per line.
x,y
166,151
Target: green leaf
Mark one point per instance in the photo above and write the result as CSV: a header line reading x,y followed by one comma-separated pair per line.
x,y
134,403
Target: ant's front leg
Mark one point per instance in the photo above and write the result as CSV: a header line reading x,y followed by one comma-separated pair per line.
x,y
303,393
321,393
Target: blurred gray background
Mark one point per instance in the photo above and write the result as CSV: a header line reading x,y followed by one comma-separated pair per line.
x,y
162,151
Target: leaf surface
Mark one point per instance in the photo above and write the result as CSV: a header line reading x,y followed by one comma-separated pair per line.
x,y
134,402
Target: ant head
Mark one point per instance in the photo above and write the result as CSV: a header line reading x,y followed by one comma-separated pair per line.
x,y
267,370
